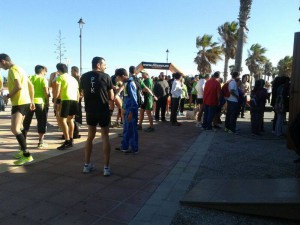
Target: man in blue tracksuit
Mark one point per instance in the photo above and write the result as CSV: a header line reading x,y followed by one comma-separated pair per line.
x,y
130,105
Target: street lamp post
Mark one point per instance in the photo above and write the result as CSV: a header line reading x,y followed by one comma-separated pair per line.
x,y
80,36
167,60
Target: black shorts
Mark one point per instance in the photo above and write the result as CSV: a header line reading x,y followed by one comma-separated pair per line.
x,y
68,108
199,101
23,109
102,118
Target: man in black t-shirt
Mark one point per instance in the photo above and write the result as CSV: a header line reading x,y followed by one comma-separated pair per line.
x,y
97,90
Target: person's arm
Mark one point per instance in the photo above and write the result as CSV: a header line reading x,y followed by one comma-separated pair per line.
x,y
17,87
146,89
57,91
31,94
111,97
46,92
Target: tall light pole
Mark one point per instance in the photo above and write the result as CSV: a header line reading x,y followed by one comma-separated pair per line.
x,y
167,60
80,36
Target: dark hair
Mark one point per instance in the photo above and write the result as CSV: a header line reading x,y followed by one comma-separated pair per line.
x,y
121,72
5,57
257,85
235,74
216,74
177,75
246,76
263,82
38,69
96,60
131,69
75,68
62,67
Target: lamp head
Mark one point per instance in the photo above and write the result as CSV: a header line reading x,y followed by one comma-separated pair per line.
x,y
81,23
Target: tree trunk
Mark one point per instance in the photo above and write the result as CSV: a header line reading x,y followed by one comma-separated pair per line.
x,y
256,77
226,69
251,80
239,50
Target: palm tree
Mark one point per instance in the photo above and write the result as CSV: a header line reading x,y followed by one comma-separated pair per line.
x,y
229,35
256,60
245,7
209,53
285,66
268,69
274,72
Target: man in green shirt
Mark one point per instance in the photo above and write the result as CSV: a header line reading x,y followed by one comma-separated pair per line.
x,y
41,102
21,94
148,103
67,87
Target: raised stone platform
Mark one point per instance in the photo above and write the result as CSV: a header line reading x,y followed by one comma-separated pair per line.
x,y
265,197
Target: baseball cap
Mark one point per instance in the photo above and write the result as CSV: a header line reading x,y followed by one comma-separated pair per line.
x,y
143,71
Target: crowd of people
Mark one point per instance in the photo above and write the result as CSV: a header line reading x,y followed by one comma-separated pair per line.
x,y
133,97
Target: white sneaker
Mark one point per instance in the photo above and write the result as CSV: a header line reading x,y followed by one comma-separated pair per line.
x,y
42,145
88,168
106,171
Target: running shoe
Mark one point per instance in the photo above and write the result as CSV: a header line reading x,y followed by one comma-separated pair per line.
x,y
106,171
65,145
19,154
22,160
42,145
88,168
149,129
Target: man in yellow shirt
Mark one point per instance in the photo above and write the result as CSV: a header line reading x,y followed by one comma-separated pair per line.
x,y
21,94
41,102
67,87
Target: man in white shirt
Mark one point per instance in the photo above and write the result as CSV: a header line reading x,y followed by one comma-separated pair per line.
x,y
232,104
176,92
200,90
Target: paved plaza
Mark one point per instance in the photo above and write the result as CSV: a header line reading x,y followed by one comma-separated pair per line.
x,y
143,189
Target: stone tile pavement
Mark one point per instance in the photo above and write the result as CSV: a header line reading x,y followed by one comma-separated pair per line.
x,y
53,190
143,189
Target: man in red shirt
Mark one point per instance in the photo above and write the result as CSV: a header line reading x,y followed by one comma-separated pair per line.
x,y
211,99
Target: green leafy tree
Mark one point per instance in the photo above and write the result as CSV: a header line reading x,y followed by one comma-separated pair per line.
x,y
244,15
285,66
274,72
209,53
229,35
256,60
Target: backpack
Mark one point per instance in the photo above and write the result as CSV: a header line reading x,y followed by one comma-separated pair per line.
x,y
253,100
139,93
225,90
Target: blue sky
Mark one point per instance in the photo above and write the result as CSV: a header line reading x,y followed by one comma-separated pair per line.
x,y
128,32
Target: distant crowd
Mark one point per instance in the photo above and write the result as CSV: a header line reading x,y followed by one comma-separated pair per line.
x,y
206,97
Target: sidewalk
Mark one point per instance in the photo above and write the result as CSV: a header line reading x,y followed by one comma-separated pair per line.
x,y
53,190
144,188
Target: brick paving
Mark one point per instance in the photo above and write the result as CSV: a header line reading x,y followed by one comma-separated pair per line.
x,y
53,190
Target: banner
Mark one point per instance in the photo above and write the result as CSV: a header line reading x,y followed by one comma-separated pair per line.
x,y
157,66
